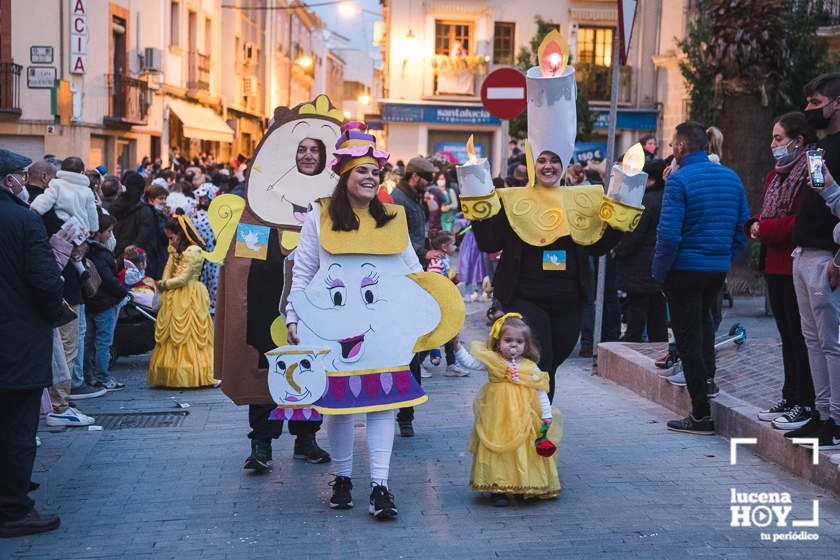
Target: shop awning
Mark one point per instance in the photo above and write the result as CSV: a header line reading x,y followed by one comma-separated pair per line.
x,y
201,122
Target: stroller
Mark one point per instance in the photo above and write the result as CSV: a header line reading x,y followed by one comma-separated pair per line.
x,y
135,331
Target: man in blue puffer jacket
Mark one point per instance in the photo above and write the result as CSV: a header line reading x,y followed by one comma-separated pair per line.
x,y
700,232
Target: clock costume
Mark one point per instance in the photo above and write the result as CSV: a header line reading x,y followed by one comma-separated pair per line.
x,y
546,232
260,234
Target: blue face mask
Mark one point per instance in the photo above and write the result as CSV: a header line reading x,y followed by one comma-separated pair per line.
x,y
133,275
785,154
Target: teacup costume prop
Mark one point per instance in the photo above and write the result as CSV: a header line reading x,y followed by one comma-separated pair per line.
x,y
547,233
362,306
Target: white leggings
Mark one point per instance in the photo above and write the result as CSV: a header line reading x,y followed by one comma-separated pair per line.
x,y
380,435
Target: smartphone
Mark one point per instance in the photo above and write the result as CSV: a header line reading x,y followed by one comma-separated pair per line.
x,y
815,168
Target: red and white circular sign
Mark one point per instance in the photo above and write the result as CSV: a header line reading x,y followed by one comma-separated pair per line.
x,y
503,93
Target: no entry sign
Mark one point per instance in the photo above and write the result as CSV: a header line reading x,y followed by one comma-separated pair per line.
x,y
503,93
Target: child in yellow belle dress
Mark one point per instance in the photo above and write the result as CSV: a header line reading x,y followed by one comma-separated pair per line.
x,y
511,411
183,355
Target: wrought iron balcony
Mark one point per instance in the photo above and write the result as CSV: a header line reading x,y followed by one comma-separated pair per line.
x,y
10,88
128,102
199,72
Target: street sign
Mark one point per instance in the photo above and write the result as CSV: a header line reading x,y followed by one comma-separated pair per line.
x,y
626,18
503,93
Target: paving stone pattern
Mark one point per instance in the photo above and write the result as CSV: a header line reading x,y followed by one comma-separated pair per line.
x,y
632,489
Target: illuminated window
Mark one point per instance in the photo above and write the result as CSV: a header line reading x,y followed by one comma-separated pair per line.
x,y
447,33
594,45
503,42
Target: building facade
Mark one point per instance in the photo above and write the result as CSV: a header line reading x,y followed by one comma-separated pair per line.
x,y
438,52
114,81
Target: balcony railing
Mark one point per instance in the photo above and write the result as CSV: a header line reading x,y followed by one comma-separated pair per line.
x,y
199,72
10,88
831,11
128,101
596,80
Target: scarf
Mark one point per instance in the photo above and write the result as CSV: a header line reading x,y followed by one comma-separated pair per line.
x,y
784,187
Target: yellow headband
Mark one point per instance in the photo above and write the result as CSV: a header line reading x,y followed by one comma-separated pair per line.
x,y
351,163
496,329
188,229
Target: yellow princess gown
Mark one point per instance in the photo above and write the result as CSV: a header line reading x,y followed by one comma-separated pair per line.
x,y
183,355
507,423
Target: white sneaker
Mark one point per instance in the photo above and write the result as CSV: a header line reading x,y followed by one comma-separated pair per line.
x,y
424,373
70,417
677,379
455,370
835,458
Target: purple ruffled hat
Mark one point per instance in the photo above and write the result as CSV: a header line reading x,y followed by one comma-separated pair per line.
x,y
356,147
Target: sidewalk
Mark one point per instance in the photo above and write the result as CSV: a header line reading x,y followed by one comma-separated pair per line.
x,y
632,489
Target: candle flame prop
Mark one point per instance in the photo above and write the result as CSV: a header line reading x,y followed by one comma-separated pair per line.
x,y
471,159
553,54
634,160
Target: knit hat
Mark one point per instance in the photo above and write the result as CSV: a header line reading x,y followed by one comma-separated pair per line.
x,y
355,147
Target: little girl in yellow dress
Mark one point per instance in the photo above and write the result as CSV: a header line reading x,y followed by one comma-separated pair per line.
x,y
510,412
183,355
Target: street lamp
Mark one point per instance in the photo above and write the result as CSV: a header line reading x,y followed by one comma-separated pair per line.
x,y
305,61
364,99
348,9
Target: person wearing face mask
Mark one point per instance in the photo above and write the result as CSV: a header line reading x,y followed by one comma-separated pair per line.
x,y
700,233
137,223
773,227
69,194
816,293
210,271
30,306
101,309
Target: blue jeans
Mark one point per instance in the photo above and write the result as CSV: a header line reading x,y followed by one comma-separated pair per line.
x,y
78,366
98,340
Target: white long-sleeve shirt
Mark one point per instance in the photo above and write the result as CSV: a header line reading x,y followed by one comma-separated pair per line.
x,y
308,256
464,358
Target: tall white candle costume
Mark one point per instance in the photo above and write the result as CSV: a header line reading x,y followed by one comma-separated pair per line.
x,y
541,214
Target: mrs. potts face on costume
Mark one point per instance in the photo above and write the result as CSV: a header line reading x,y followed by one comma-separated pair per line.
x,y
549,168
362,185
296,376
366,310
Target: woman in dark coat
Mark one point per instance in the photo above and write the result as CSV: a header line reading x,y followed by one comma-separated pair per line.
x,y
634,253
137,224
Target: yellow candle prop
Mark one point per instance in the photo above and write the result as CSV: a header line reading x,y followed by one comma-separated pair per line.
x,y
474,177
628,181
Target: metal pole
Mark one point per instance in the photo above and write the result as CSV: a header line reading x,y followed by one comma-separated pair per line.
x,y
602,261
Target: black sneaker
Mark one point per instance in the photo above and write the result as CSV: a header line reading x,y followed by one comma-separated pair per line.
x,y
691,425
796,417
712,390
780,408
406,429
810,429
382,503
260,458
829,436
30,524
341,498
86,392
307,449
500,500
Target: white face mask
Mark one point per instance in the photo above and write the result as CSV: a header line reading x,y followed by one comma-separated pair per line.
x,y
23,194
111,243
441,183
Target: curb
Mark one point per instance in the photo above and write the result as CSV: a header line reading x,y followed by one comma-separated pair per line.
x,y
733,417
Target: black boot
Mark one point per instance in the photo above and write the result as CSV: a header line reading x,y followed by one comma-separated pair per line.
x,y
306,449
260,458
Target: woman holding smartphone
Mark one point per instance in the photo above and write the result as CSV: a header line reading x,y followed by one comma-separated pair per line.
x,y
773,226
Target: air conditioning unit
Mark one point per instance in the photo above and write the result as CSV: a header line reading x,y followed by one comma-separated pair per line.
x,y
249,85
249,55
152,60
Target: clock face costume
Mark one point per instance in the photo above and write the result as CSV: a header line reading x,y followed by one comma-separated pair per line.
x,y
264,226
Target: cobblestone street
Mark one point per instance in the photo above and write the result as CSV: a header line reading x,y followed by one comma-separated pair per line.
x,y
631,489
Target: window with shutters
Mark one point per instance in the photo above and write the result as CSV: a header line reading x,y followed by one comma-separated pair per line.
x,y
503,42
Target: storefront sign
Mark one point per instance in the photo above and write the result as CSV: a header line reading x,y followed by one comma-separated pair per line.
x,y
437,114
627,119
587,151
40,55
78,36
40,77
458,150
